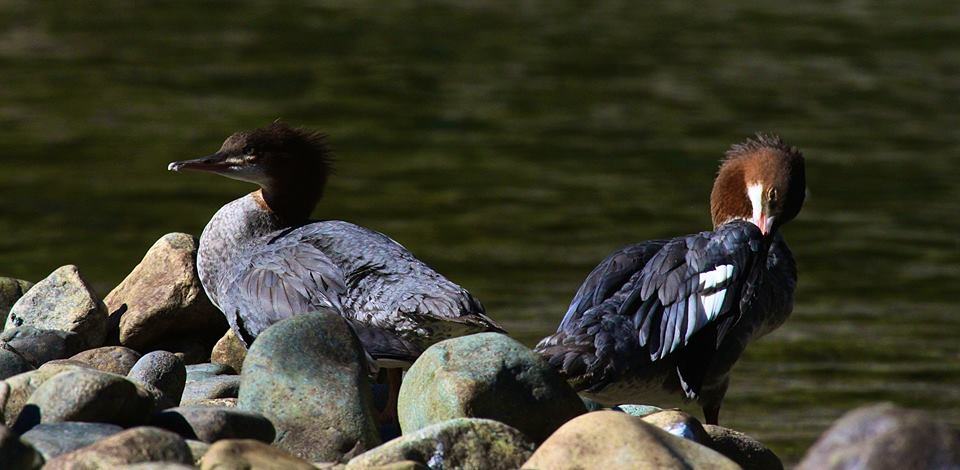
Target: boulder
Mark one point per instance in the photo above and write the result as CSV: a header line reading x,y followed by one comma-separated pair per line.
x,y
679,424
197,450
136,445
486,375
16,390
39,346
10,292
62,301
885,436
611,439
207,369
87,395
55,439
219,402
156,466
457,443
746,451
211,424
219,386
163,296
308,375
248,453
12,364
15,454
163,370
113,359
229,351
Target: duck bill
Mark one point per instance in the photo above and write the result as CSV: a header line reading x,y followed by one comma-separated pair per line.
x,y
215,163
764,223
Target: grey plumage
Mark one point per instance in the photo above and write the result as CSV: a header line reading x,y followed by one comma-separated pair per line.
x,y
257,271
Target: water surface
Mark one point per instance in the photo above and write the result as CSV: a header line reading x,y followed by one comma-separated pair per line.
x,y
513,145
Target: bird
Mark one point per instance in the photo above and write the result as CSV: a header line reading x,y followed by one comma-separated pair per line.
x,y
670,317
261,258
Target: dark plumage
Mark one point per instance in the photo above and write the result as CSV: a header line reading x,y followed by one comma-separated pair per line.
x,y
675,315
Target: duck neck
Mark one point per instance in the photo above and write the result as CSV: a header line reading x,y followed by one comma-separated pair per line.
x,y
292,206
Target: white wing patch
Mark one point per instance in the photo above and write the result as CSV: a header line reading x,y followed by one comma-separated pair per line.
x,y
713,302
718,276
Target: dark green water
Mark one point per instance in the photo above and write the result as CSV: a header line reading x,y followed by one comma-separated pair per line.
x,y
514,145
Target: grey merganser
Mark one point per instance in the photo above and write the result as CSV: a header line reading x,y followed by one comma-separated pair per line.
x,y
262,260
675,315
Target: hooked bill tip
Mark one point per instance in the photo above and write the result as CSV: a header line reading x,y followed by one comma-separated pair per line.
x,y
173,166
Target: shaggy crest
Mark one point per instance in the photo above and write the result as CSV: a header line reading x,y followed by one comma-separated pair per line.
x,y
761,142
280,136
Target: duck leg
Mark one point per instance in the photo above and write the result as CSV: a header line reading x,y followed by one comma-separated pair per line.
x,y
394,380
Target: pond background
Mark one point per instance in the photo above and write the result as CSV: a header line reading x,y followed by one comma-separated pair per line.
x,y
514,144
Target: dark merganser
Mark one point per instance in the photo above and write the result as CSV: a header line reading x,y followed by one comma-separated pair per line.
x,y
674,315
262,260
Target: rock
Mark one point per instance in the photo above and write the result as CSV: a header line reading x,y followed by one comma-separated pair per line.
x,y
55,439
308,375
610,439
210,424
486,375
591,405
113,359
197,450
10,291
16,390
207,369
221,402
638,410
229,351
39,346
679,424
219,386
12,364
15,454
163,296
156,466
163,370
62,301
885,436
746,451
248,453
457,443
87,395
140,444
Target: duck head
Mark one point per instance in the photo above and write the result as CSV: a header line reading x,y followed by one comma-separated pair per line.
x,y
761,180
291,165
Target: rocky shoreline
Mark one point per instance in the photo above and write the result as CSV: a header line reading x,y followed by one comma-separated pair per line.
x,y
151,377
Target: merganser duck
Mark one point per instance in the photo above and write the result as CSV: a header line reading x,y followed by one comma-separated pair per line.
x,y
675,315
261,259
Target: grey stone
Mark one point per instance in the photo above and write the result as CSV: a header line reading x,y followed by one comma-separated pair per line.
x,y
12,364
679,424
457,443
219,386
62,301
15,454
137,445
197,450
164,298
16,390
637,410
163,370
87,395
308,375
210,424
113,359
486,375
208,369
39,346
883,437
55,439
746,451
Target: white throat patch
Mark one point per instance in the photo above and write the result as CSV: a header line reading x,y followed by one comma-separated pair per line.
x,y
755,193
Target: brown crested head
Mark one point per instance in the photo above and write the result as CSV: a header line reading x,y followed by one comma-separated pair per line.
x,y
761,180
290,164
